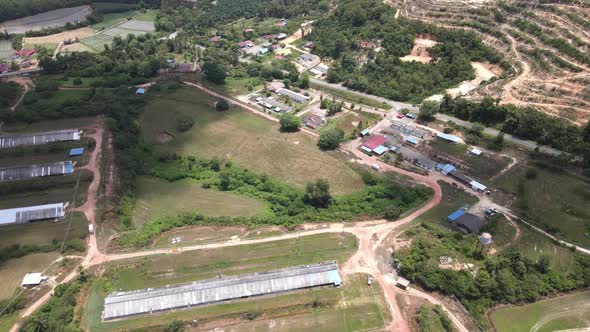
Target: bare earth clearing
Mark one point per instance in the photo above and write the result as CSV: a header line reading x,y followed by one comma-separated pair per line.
x,y
60,37
548,52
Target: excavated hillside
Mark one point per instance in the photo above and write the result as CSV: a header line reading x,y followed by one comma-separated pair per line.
x,y
546,41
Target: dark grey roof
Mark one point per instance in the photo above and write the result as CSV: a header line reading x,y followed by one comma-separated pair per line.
x,y
33,171
460,176
469,223
124,304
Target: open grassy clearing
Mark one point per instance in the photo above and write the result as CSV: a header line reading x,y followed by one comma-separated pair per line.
x,y
13,271
157,197
350,121
251,142
5,49
352,307
7,321
45,232
553,199
236,86
564,312
48,125
47,196
170,269
482,167
113,18
215,234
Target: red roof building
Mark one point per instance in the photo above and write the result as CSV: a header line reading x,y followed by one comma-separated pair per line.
x,y
215,39
246,43
20,52
373,142
29,53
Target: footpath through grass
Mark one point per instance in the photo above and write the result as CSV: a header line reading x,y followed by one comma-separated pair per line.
x,y
249,141
560,313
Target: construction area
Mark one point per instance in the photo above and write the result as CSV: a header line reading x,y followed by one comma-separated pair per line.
x,y
147,301
11,141
33,171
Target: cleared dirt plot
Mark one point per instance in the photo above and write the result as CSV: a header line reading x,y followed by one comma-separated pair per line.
x,y
50,19
59,37
420,51
251,142
5,49
561,313
13,271
157,197
134,27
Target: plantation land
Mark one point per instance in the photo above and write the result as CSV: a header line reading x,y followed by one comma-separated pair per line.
x,y
560,313
554,199
157,197
248,140
13,271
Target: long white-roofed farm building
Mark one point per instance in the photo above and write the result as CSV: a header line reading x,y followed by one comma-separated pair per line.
x,y
27,214
182,296
33,171
11,141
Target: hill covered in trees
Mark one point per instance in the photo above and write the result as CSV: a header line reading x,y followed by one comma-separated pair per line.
x,y
344,35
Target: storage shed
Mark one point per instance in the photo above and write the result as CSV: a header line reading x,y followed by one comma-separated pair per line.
x,y
10,141
26,214
76,152
32,171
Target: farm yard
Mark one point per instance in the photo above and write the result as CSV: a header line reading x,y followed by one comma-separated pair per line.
x,y
50,19
364,309
560,313
251,142
13,271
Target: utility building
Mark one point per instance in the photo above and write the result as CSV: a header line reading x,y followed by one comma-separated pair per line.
x,y
11,141
33,171
146,301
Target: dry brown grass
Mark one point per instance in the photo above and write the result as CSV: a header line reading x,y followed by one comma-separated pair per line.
x,y
59,37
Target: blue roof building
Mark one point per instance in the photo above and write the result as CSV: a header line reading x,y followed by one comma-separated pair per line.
x,y
455,215
140,91
445,169
76,152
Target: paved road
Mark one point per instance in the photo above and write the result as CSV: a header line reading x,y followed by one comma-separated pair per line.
x,y
444,117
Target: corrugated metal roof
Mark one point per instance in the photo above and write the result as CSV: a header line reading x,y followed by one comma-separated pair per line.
x,y
381,149
9,141
373,142
448,137
413,140
76,152
453,216
477,186
31,213
124,304
33,171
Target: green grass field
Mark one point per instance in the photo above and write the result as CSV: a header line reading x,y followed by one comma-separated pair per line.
x,y
44,232
157,197
555,200
47,196
169,269
236,86
452,199
350,121
251,142
7,321
5,49
560,313
113,18
13,271
482,167
352,307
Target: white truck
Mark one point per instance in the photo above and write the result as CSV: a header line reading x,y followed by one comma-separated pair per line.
x,y
91,228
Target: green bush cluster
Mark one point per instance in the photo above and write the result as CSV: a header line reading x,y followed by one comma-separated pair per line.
x,y
508,277
287,206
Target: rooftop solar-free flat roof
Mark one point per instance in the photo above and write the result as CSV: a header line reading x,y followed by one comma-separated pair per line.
x,y
31,213
32,171
145,301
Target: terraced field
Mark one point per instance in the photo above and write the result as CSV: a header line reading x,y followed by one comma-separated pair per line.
x,y
547,44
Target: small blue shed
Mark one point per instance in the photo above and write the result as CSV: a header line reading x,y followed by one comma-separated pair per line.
x,y
455,215
140,91
76,152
